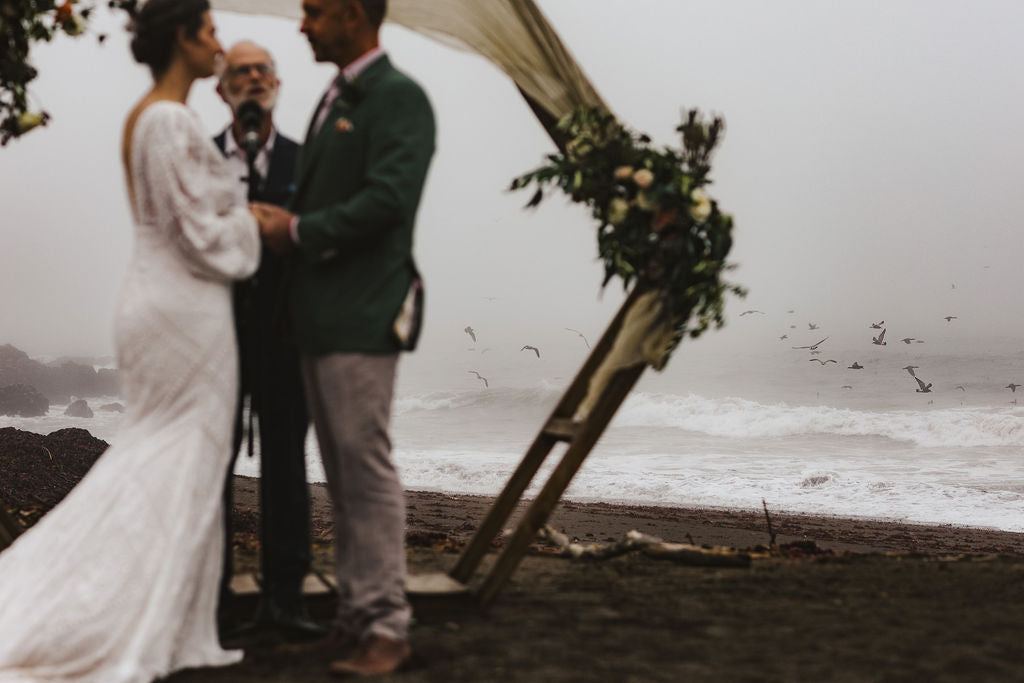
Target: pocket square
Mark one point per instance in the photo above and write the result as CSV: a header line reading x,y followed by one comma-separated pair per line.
x,y
343,125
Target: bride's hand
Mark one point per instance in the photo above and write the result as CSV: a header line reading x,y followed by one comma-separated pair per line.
x,y
275,226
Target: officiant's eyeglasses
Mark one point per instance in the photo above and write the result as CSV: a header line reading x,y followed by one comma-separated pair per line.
x,y
244,69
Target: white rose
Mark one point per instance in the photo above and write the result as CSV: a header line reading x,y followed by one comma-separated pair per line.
x,y
28,120
701,208
618,209
643,178
623,172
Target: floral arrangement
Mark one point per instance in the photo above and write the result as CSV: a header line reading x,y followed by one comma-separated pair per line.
x,y
657,224
23,22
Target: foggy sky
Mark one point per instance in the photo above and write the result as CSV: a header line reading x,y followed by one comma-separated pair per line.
x,y
871,161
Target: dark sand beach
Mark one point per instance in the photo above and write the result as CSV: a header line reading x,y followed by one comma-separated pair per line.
x,y
838,599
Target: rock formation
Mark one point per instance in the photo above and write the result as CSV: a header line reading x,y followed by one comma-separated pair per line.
x,y
78,408
22,400
58,381
38,471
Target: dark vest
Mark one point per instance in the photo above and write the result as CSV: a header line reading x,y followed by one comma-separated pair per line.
x,y
280,181
278,188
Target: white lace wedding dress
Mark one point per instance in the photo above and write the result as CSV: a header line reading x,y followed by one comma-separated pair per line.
x,y
119,583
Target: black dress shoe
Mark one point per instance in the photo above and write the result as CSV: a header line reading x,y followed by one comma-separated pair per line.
x,y
300,628
291,618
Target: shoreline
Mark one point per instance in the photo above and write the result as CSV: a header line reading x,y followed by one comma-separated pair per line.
x,y
457,516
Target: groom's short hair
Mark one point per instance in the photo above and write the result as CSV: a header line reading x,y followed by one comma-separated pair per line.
x,y
375,11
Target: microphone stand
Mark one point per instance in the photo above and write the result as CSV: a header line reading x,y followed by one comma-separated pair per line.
x,y
249,303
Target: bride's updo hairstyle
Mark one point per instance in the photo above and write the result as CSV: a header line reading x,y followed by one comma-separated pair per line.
x,y
155,27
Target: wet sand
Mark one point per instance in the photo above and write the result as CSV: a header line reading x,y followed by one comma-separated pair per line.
x,y
847,600
836,599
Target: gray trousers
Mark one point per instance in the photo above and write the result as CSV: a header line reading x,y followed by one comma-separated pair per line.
x,y
349,399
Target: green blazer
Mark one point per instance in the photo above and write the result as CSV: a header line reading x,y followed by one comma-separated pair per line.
x,y
358,185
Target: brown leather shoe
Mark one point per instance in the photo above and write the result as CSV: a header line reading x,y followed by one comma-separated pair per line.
x,y
379,655
338,642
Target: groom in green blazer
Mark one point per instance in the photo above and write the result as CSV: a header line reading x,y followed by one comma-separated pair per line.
x,y
352,303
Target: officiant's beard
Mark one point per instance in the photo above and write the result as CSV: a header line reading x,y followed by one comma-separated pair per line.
x,y
267,101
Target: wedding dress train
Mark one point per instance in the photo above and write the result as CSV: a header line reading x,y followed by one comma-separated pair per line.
x,y
119,583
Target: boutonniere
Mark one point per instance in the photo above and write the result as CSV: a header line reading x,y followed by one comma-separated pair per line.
x,y
343,125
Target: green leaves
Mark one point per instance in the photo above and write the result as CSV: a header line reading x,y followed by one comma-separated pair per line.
x,y
23,22
656,224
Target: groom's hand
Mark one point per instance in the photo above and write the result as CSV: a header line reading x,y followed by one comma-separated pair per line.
x,y
275,225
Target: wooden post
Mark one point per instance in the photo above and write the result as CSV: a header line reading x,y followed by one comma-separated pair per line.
x,y
542,507
558,427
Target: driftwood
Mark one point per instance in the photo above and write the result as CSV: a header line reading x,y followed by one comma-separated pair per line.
x,y
9,528
771,532
683,553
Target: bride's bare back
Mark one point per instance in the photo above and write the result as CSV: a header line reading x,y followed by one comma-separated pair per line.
x,y
127,137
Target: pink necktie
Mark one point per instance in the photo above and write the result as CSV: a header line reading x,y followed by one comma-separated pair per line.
x,y
329,97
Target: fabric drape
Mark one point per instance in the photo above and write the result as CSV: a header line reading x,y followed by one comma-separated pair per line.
x,y
513,34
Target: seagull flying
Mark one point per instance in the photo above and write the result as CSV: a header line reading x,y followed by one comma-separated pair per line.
x,y
785,336
812,347
948,318
749,312
856,366
531,348
922,387
907,340
823,362
581,336
846,386
880,339
961,387
812,326
1012,387
878,325
470,331
910,369
479,376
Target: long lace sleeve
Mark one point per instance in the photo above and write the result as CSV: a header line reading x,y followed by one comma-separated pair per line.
x,y
185,180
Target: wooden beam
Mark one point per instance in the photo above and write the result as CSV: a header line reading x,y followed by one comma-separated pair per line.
x,y
542,444
544,504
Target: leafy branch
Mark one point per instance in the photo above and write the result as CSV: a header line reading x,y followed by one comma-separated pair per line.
x,y
22,23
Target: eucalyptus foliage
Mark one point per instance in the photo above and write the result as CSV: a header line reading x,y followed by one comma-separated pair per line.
x,y
657,226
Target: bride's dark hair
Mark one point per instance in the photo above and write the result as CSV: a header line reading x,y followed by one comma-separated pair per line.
x,y
155,27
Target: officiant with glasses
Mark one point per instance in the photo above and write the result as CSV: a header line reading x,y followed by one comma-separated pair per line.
x,y
271,394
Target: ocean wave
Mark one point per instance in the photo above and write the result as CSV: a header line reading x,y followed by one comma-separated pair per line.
x,y
505,398
906,494
740,418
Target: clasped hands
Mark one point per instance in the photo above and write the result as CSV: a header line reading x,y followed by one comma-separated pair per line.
x,y
275,226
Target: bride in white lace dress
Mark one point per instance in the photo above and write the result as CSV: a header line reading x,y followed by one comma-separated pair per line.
x,y
119,583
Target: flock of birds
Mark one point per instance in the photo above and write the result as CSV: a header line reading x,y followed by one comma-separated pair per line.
x,y
877,340
526,347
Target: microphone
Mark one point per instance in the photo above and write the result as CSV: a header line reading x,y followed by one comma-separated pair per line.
x,y
250,116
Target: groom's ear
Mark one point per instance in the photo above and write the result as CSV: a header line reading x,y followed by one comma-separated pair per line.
x,y
180,38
